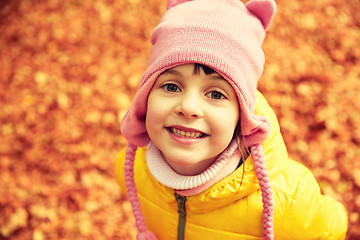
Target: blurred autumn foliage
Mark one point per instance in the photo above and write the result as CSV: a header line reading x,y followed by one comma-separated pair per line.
x,y
68,71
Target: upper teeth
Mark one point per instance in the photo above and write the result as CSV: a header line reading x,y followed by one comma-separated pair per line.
x,y
182,133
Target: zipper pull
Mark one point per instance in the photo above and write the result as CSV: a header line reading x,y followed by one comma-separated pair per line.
x,y
181,200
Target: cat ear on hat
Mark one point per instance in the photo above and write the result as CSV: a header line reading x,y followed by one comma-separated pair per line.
x,y
264,10
173,3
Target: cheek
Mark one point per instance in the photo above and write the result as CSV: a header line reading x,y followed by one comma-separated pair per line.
x,y
151,119
225,125
154,115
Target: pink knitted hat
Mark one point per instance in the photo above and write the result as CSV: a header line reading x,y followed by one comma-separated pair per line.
x,y
225,35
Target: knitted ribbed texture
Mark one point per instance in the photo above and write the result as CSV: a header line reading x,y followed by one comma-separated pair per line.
x,y
167,176
266,192
143,234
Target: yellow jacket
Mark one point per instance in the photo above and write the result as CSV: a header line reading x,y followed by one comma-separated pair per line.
x,y
232,208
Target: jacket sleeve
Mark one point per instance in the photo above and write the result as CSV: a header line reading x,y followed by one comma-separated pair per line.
x,y
312,215
119,169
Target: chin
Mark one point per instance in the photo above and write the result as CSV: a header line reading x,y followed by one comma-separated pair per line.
x,y
182,163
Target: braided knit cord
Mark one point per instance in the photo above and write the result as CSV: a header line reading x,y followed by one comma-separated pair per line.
x,y
266,192
143,234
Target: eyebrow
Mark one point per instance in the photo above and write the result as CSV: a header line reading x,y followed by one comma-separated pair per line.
x,y
217,76
173,72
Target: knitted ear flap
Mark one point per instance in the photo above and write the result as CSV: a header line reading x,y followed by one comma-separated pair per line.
x,y
173,3
264,10
262,175
143,234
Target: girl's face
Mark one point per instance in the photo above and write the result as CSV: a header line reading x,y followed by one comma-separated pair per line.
x,y
191,117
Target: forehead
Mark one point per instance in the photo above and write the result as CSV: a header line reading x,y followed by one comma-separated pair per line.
x,y
186,71
193,69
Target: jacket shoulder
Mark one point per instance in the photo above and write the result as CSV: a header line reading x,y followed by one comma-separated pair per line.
x,y
307,213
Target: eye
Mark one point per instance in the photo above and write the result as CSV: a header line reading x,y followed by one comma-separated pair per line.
x,y
215,95
170,87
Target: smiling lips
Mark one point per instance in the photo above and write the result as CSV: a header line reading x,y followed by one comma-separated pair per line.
x,y
186,133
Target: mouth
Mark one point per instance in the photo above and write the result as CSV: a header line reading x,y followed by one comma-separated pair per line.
x,y
186,133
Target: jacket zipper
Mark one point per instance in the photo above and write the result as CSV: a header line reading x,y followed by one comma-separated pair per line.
x,y
181,200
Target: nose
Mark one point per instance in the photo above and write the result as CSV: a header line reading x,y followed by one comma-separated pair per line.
x,y
190,106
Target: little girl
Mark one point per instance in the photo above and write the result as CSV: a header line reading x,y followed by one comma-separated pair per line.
x,y
205,158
